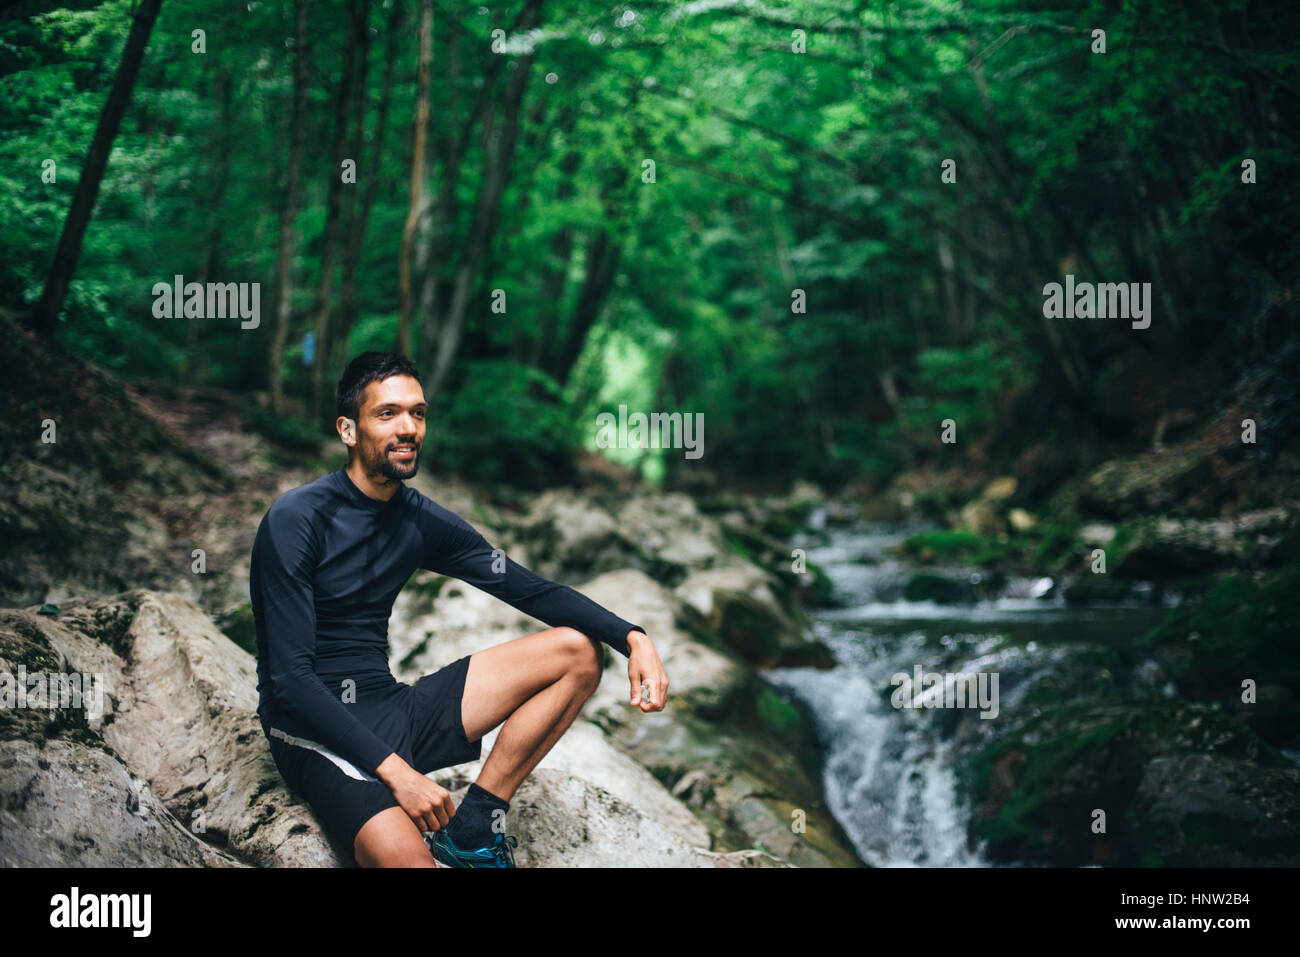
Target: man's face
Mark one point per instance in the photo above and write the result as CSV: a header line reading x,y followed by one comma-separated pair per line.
x,y
391,416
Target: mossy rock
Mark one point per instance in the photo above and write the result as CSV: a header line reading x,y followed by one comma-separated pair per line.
x,y
1242,628
240,626
23,644
938,589
1036,785
951,547
761,636
1097,588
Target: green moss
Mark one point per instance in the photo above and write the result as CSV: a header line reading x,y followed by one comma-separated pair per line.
x,y
1082,755
777,714
1125,534
1241,628
958,546
241,628
1057,541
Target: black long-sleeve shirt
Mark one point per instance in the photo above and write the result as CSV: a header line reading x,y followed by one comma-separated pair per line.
x,y
328,561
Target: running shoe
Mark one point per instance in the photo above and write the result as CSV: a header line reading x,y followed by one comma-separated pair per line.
x,y
496,854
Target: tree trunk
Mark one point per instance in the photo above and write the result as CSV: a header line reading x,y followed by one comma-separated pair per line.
x,y
417,176
45,317
342,100
216,222
442,214
284,289
554,281
498,154
370,172
602,266
948,280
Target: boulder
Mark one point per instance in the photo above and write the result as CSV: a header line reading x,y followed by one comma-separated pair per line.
x,y
180,713
172,768
725,745
67,804
981,517
999,490
1207,810
741,608
566,821
1170,547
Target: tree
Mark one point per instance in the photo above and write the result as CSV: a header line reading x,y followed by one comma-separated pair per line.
x,y
44,318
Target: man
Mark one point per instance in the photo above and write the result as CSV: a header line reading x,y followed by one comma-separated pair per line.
x,y
328,560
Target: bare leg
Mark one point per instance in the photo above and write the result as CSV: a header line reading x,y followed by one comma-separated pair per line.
x,y
536,684
391,839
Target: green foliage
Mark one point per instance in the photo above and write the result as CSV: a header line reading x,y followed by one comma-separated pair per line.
x,y
504,422
1241,628
950,547
776,713
785,272
292,432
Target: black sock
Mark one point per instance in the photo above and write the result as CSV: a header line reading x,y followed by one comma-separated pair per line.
x,y
471,826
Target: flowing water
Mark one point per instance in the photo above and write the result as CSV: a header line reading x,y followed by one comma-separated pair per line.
x,y
888,770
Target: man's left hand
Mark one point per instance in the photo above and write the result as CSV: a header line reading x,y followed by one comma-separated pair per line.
x,y
644,667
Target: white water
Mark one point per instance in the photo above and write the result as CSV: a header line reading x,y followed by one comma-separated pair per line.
x,y
888,773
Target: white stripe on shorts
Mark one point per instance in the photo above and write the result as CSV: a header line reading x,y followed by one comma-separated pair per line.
x,y
351,770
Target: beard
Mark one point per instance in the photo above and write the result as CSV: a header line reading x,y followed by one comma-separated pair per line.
x,y
392,468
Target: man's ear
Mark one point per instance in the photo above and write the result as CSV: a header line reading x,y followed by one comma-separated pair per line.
x,y
349,432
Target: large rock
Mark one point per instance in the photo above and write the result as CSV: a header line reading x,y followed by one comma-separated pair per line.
x,y
670,528
1206,810
738,757
1167,547
566,821
664,535
741,608
743,759
1167,773
180,713
68,804
180,774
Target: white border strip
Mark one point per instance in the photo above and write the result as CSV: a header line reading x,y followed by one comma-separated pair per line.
x,y
351,770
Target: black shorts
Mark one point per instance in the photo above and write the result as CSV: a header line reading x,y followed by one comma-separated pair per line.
x,y
421,722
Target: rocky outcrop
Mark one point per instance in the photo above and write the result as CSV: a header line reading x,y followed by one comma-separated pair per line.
x,y
179,715
726,746
170,768
1169,547
67,804
1205,810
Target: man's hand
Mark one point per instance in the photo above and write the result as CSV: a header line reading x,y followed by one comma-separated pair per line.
x,y
425,802
644,667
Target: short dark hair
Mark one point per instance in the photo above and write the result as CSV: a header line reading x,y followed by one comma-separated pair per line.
x,y
364,369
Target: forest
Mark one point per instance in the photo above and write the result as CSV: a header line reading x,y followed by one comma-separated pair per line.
x,y
827,227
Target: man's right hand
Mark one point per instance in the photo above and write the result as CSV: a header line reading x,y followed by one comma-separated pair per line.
x,y
425,802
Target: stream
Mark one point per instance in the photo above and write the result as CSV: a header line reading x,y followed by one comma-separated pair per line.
x,y
888,775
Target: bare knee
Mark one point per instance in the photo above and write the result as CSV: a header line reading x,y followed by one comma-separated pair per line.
x,y
586,658
391,839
